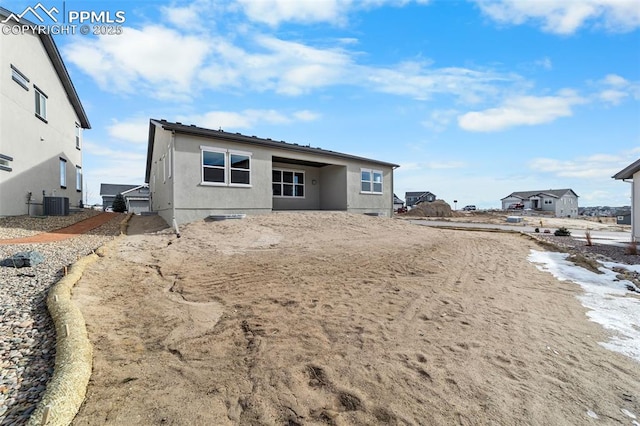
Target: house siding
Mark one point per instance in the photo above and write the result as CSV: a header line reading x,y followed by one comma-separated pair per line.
x,y
635,210
184,197
35,146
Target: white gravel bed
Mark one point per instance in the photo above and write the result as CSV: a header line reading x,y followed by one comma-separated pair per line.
x,y
27,334
26,226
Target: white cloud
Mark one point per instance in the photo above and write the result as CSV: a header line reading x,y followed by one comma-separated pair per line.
x,y
135,130
596,166
439,120
614,89
545,63
521,110
565,17
274,12
161,60
246,119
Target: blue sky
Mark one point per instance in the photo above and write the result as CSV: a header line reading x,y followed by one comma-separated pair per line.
x,y
473,99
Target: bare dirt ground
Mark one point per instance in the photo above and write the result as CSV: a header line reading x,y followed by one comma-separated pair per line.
x,y
333,318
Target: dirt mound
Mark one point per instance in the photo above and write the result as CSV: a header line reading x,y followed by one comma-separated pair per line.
x,y
437,208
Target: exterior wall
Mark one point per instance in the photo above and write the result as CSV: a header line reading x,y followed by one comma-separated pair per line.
x,y
566,206
333,187
160,181
506,202
359,202
311,200
35,146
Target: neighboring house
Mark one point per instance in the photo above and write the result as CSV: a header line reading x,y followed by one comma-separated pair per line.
x,y
397,203
195,172
631,174
623,217
562,202
41,123
135,196
413,198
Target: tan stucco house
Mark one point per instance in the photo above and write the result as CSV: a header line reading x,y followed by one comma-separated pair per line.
x,y
562,202
41,123
195,172
631,174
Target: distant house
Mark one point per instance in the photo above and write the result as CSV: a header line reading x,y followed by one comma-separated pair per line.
x,y
631,174
562,202
623,217
194,172
135,196
413,198
397,203
41,123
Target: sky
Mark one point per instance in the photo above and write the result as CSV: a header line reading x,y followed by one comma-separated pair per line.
x,y
474,99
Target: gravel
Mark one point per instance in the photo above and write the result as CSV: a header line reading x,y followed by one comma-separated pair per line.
x,y
27,334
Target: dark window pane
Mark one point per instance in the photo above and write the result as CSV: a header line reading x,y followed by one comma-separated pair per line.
x,y
240,176
299,191
287,177
212,158
377,187
366,186
299,178
213,175
239,161
277,189
276,176
366,176
287,190
377,177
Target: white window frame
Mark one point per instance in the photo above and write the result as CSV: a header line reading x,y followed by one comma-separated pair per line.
x,y
40,103
282,183
372,173
78,178
63,173
19,78
227,169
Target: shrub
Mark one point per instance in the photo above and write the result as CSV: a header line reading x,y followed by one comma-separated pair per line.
x,y
587,235
562,232
632,248
119,205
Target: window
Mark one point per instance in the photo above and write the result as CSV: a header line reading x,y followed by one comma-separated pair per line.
x,y
288,183
78,178
41,104
78,135
370,181
222,167
19,78
63,173
5,162
548,201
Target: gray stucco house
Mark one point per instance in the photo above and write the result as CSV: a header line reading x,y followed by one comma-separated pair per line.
x,y
562,202
631,174
194,172
136,197
41,123
413,198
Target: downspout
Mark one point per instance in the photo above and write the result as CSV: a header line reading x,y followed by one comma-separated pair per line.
x,y
392,192
173,179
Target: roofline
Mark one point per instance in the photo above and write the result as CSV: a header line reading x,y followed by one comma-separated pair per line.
x,y
628,172
238,137
144,185
58,64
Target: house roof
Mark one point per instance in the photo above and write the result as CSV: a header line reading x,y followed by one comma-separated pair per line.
x,y
56,60
397,200
113,189
238,137
629,171
418,194
554,193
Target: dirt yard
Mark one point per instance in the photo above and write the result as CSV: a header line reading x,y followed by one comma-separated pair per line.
x,y
340,319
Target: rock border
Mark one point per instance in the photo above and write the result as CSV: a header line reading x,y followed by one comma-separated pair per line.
x,y
67,388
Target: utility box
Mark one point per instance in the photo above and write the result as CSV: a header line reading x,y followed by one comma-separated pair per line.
x,y
55,206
